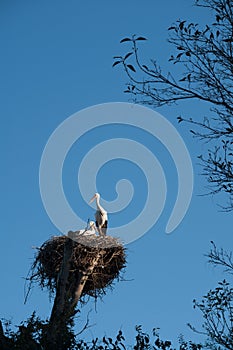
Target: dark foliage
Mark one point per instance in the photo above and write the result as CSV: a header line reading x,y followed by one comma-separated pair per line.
x,y
216,306
30,337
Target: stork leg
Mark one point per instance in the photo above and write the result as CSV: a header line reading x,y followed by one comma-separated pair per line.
x,y
102,229
97,227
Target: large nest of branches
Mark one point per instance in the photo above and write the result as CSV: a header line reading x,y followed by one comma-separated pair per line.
x,y
107,252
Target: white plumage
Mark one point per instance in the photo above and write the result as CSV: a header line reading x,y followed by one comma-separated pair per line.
x,y
91,230
101,216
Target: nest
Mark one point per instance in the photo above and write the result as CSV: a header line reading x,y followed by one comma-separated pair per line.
x,y
49,258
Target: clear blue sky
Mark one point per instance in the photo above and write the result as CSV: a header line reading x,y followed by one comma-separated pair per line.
x,y
56,59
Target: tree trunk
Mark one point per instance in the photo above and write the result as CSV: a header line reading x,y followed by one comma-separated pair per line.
x,y
57,333
82,280
58,319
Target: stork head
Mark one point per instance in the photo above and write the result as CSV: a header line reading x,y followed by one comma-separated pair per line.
x,y
92,225
96,195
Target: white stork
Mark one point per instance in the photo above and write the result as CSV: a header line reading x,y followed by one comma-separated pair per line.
x,y
101,217
91,230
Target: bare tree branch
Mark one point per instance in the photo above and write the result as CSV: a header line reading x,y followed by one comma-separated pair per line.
x,y
205,60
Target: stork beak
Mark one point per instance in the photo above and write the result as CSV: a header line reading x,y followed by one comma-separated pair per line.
x,y
92,199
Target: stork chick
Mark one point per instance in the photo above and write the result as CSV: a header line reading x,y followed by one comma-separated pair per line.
x,y
91,230
88,231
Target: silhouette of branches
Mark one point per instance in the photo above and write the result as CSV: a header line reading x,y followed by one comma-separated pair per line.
x,y
204,56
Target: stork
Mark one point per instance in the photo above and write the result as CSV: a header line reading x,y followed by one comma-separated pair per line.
x,y
101,217
90,230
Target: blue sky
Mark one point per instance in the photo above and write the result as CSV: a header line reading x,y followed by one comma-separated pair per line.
x,y
56,59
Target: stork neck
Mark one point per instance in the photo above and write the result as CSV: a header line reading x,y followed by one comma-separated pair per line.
x,y
98,204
